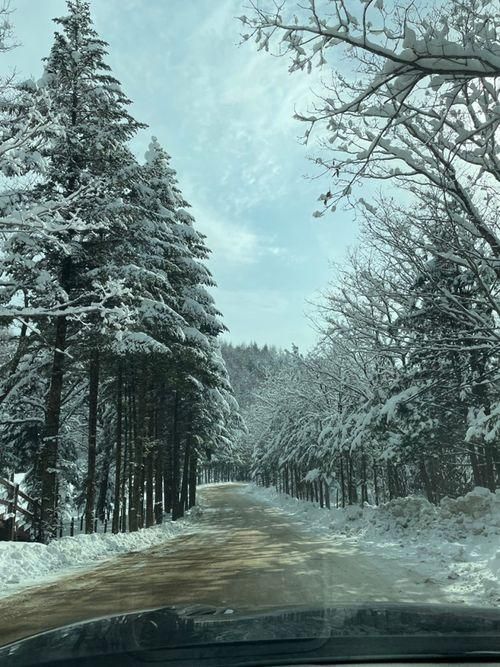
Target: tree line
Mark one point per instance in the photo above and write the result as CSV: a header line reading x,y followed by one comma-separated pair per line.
x,y
401,394
112,385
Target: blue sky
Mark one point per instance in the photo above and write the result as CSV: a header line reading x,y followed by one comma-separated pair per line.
x,y
225,114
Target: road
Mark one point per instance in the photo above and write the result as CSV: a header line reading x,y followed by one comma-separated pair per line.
x,y
242,554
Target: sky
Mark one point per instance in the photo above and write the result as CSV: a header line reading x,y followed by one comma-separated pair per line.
x,y
224,112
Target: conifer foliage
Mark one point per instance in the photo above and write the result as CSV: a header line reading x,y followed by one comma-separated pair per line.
x,y
112,387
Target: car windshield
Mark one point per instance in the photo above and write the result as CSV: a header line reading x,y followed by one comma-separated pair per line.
x,y
249,327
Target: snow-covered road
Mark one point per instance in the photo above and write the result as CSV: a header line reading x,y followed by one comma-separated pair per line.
x,y
243,553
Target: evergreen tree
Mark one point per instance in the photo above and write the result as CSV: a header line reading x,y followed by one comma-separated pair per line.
x,y
112,383
93,113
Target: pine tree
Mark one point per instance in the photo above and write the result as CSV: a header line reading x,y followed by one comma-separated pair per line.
x,y
93,112
110,325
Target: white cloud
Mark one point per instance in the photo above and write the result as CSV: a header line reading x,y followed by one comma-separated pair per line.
x,y
228,241
233,242
240,104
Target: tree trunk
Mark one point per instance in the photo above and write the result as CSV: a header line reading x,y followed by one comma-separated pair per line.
x,y
93,396
167,476
138,490
342,479
434,476
49,453
478,364
22,346
364,480
390,481
193,474
490,467
351,483
327,496
132,464
476,470
150,518
118,451
102,498
298,485
185,476
141,515
158,510
429,492
141,450
126,462
175,463
496,460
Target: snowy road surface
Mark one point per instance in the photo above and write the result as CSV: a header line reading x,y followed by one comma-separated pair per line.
x,y
242,554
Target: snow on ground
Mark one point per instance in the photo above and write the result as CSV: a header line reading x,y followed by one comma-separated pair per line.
x,y
28,563
455,545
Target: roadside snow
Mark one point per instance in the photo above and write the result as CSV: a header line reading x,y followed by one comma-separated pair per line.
x,y
455,545
27,563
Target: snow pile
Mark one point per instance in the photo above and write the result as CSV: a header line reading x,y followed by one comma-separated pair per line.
x,y
476,504
23,563
412,513
456,544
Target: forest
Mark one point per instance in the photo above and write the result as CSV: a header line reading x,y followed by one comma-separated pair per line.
x,y
115,389
401,393
112,385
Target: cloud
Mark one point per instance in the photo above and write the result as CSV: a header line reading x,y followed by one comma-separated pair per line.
x,y
246,99
228,242
232,107
233,242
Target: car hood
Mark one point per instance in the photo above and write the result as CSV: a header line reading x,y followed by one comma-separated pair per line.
x,y
211,635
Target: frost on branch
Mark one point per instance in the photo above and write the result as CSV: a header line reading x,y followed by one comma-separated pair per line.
x,y
414,99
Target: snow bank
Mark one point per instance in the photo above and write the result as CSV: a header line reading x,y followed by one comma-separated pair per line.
x,y
455,544
26,563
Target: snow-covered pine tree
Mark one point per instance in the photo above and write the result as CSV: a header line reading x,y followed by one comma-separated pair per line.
x,y
194,365
168,341
92,109
107,286
28,231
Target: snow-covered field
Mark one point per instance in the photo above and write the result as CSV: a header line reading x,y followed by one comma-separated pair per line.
x,y
29,563
455,545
